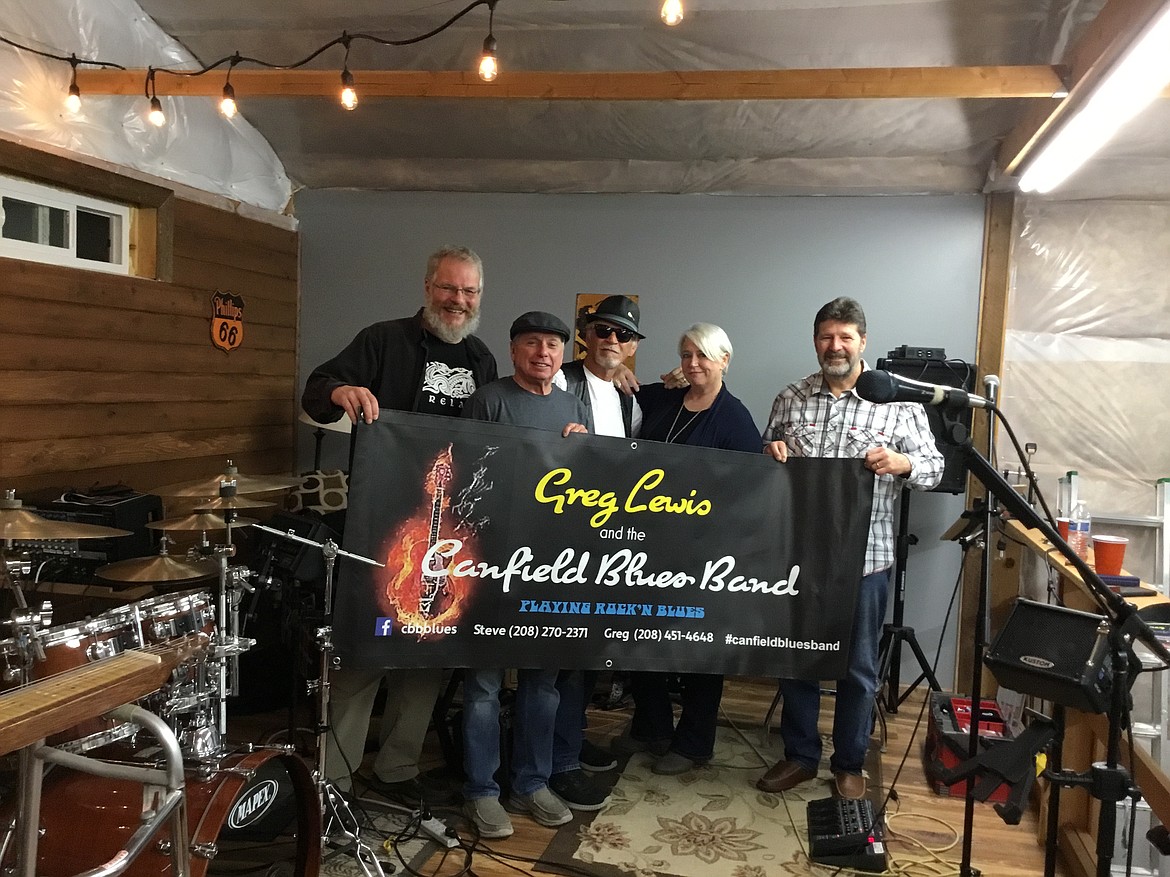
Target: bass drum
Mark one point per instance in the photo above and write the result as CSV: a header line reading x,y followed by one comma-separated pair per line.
x,y
257,814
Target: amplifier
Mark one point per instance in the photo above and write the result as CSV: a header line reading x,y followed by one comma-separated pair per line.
x,y
1055,654
75,560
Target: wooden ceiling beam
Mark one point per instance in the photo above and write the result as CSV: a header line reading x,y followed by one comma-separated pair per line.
x,y
1104,40
813,84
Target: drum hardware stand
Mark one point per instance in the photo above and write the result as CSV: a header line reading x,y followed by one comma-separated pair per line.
x,y
229,645
337,817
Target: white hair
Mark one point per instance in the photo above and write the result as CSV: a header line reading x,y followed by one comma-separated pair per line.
x,y
710,339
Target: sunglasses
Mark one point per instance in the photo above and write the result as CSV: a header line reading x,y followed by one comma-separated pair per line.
x,y
622,335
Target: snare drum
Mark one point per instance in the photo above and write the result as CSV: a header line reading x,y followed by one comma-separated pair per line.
x,y
74,645
256,814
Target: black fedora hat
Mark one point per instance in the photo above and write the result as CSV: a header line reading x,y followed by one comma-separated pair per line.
x,y
619,310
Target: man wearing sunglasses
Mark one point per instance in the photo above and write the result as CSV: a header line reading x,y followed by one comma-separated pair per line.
x,y
429,363
611,337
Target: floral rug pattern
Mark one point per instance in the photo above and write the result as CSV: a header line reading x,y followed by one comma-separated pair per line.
x,y
711,822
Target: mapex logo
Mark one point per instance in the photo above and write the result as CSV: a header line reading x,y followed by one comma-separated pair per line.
x,y
253,805
383,626
1039,663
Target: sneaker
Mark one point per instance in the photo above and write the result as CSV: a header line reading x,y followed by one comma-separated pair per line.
x,y
595,759
489,817
627,745
543,806
579,790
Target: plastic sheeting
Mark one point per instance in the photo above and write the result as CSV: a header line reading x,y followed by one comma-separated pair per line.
x,y
197,147
1087,354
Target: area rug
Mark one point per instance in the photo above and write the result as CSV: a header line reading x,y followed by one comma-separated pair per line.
x,y
711,822
380,825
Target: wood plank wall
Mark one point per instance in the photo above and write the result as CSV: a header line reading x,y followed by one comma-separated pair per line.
x,y
107,379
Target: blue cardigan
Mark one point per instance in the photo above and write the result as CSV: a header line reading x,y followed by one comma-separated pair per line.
x,y
726,424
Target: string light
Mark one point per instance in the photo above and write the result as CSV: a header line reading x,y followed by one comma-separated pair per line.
x,y
156,115
227,105
73,99
671,12
489,69
349,98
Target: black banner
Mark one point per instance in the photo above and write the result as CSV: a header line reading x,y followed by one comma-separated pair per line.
x,y
511,547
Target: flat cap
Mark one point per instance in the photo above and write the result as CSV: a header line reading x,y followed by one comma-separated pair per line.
x,y
539,321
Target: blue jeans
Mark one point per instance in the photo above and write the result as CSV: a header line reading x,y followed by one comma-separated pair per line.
x,y
532,731
654,717
574,686
853,715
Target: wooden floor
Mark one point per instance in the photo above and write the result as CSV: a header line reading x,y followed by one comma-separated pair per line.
x,y
921,819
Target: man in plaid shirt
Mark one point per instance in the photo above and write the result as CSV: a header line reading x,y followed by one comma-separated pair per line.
x,y
822,416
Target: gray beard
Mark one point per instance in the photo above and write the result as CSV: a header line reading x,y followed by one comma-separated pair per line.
x,y
836,369
435,325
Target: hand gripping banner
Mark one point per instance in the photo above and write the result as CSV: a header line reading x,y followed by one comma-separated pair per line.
x,y
512,547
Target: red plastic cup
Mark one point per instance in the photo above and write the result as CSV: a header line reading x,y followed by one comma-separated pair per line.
x,y
1108,554
1062,528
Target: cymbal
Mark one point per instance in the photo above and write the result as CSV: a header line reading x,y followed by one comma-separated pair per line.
x,y
244,484
160,568
19,523
198,521
231,502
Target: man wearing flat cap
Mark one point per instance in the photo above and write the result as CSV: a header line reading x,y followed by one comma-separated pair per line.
x,y
527,398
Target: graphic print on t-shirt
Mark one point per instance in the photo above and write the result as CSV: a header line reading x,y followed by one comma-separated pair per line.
x,y
444,388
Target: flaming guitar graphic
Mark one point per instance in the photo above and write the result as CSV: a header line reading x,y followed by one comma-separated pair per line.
x,y
434,582
413,593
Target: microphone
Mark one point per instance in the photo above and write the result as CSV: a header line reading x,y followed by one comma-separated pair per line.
x,y
875,385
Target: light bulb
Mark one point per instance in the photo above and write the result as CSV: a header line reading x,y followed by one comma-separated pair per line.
x,y
488,68
156,116
73,101
227,106
672,12
349,98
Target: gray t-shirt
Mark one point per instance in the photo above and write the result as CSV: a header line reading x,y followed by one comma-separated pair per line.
x,y
505,401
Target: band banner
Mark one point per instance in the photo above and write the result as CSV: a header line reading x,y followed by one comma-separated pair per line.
x,y
511,547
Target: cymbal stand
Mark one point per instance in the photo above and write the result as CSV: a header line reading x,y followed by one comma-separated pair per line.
x,y
338,819
233,580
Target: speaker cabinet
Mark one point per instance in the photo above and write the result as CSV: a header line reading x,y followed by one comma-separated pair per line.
x,y
1056,654
947,373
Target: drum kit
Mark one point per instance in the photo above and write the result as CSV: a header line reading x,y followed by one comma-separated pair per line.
x,y
93,798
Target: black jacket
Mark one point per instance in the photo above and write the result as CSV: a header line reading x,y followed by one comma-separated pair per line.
x,y
388,358
576,384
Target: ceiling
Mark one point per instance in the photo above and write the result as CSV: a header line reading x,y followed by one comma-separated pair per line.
x,y
734,146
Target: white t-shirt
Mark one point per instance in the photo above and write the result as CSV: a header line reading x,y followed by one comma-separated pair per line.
x,y
607,408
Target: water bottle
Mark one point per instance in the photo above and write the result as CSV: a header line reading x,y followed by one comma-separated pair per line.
x,y
1078,530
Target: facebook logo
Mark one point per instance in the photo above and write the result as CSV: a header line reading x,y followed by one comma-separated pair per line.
x,y
383,626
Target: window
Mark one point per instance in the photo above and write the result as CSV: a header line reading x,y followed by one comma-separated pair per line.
x,y
44,224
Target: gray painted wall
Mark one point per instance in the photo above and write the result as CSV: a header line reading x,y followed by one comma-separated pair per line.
x,y
759,267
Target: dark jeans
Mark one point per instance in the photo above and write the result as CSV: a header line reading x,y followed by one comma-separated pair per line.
x,y
575,687
654,719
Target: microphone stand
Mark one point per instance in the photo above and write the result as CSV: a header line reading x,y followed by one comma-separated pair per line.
x,y
1106,781
990,512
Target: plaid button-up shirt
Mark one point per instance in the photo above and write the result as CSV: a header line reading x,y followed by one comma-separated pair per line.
x,y
813,423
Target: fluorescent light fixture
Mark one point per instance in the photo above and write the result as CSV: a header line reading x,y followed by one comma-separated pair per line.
x,y
1135,81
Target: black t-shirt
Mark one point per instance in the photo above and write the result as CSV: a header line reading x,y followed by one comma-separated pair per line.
x,y
447,379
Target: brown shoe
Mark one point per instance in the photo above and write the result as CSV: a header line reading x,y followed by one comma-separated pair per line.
x,y
849,785
784,775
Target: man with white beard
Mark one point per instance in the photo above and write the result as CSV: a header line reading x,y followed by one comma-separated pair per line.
x,y
429,363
